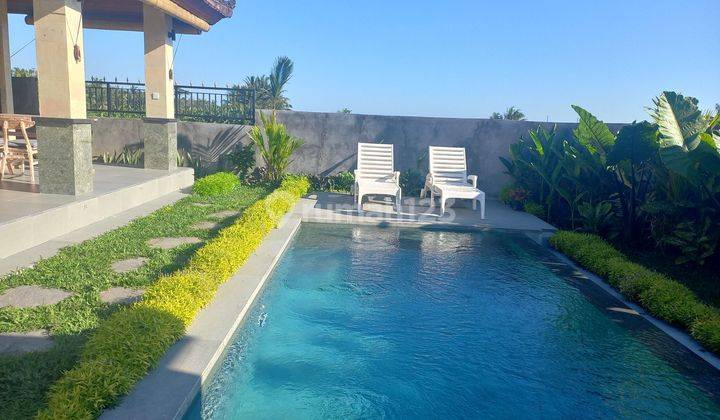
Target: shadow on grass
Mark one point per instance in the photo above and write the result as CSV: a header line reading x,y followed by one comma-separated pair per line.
x,y
26,378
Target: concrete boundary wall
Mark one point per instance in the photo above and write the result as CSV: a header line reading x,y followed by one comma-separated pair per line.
x,y
331,140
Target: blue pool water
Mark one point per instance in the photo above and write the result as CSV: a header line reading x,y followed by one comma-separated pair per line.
x,y
366,322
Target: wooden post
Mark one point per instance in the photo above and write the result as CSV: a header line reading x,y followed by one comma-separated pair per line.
x,y
159,89
160,127
6,92
58,42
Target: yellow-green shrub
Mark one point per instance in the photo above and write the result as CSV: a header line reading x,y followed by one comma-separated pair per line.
x,y
660,295
131,341
216,184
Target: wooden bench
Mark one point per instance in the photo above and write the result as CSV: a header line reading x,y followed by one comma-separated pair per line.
x,y
15,152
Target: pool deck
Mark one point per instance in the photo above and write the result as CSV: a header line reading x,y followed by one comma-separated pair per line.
x,y
415,212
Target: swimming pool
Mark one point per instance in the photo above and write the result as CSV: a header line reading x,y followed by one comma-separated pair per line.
x,y
389,322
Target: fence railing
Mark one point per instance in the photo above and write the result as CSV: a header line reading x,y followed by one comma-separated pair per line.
x,y
192,103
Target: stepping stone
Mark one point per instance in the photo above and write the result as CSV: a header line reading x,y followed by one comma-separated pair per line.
x,y
224,214
201,204
131,264
32,296
121,295
15,343
204,226
169,243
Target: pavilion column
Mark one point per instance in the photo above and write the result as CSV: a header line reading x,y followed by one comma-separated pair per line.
x,y
63,130
6,93
160,126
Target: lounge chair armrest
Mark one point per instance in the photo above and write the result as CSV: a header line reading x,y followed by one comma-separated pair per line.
x,y
473,180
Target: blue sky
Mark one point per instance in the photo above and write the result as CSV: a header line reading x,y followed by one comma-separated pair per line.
x,y
446,58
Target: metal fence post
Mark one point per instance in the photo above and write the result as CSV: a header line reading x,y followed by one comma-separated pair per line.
x,y
109,102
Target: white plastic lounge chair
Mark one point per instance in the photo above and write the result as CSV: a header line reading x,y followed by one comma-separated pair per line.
x,y
448,178
375,173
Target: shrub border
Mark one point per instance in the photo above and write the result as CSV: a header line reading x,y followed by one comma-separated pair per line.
x,y
133,340
660,295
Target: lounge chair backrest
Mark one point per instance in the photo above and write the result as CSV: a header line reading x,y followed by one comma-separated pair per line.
x,y
448,165
375,161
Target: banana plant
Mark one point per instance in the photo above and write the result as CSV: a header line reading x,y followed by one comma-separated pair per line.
x,y
689,144
592,133
635,147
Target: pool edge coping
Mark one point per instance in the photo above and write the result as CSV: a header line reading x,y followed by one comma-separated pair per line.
x,y
677,334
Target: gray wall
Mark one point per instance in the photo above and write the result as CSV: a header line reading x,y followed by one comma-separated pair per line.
x,y
25,95
205,141
331,141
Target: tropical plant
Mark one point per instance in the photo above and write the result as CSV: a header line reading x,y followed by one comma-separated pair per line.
x,y
279,76
656,183
689,146
242,160
23,72
345,111
275,144
596,218
511,113
632,155
514,114
261,85
411,182
270,89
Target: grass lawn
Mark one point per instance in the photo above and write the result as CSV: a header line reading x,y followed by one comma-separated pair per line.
x,y
84,269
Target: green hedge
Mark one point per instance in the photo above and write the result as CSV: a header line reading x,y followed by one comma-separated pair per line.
x,y
662,296
216,184
132,341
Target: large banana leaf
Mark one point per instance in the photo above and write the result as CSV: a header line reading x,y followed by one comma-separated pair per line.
x,y
593,133
680,123
635,143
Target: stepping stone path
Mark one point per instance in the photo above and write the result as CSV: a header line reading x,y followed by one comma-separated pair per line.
x,y
32,296
14,343
121,295
204,225
124,266
169,243
224,214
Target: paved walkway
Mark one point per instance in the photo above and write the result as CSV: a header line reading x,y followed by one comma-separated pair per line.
x,y
340,208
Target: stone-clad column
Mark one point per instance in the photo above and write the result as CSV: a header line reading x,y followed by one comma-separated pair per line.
x,y
64,136
6,92
160,127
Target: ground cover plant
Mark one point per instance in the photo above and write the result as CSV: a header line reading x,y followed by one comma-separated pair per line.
x,y
132,340
652,188
659,294
220,183
85,270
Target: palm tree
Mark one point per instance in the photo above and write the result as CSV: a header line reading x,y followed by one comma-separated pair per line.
x,y
511,113
514,114
261,85
279,76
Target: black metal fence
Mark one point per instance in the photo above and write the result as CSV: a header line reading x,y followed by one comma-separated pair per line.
x,y
192,103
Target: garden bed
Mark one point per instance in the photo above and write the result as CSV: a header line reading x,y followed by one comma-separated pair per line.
x,y
86,270
659,294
